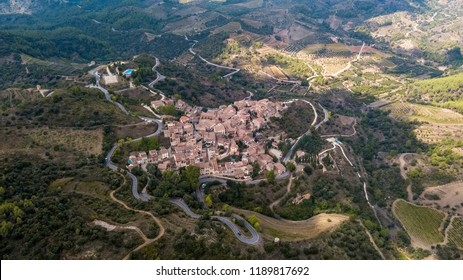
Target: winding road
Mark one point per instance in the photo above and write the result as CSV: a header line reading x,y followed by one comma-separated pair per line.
x,y
145,197
288,190
343,135
235,70
159,76
337,144
154,218
317,126
403,173
95,74
254,239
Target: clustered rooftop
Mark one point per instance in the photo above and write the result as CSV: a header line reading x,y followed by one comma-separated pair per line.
x,y
211,139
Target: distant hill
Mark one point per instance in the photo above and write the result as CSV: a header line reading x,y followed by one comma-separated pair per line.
x,y
30,6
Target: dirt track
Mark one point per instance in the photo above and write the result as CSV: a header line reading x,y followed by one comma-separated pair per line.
x,y
155,219
403,173
288,190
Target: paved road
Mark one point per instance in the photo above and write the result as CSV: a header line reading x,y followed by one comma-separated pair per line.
x,y
108,162
105,91
134,187
181,203
159,76
143,196
291,151
254,239
343,135
325,119
223,179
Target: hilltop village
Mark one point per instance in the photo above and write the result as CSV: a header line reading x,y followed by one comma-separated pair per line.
x,y
221,142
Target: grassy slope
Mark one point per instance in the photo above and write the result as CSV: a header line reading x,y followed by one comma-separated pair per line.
x,y
300,230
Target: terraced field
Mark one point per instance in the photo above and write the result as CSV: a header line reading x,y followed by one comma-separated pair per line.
x,y
438,123
421,223
425,113
455,232
328,50
61,66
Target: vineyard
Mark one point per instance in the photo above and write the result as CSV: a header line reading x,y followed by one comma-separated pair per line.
x,y
455,232
421,223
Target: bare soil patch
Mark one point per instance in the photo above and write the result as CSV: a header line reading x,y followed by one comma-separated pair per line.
x,y
447,197
296,230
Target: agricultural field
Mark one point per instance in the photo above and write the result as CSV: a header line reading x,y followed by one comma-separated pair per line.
x,y
438,123
228,28
423,113
455,232
434,133
328,50
51,140
275,72
421,223
331,57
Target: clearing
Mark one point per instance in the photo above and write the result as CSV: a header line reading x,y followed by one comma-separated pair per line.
x,y
53,140
449,196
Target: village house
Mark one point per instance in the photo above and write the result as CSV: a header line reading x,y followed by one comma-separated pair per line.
x,y
279,168
157,103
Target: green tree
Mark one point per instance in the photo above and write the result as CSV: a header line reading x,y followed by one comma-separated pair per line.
x,y
255,169
291,166
169,110
191,174
208,200
254,221
270,177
